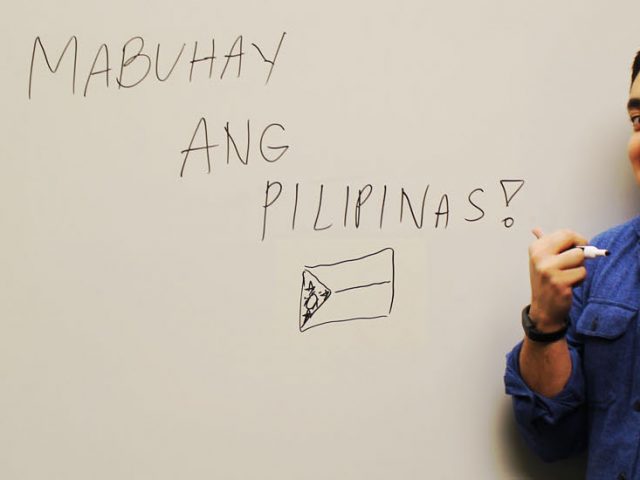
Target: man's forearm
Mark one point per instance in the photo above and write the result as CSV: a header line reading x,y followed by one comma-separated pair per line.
x,y
545,367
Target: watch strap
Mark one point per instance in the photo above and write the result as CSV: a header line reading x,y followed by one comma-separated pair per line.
x,y
536,335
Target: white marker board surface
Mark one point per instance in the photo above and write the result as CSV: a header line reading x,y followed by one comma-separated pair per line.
x,y
158,322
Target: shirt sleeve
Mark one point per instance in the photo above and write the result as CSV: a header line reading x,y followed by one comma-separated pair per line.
x,y
554,427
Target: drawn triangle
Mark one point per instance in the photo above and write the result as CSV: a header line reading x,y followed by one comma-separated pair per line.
x,y
518,184
313,295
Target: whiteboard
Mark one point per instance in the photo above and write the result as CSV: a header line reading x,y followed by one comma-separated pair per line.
x,y
305,257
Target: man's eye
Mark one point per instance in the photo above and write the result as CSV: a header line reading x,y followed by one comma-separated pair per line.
x,y
635,121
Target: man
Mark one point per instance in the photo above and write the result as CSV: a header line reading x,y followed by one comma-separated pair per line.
x,y
575,378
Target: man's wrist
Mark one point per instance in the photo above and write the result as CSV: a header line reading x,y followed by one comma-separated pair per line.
x,y
543,322
545,335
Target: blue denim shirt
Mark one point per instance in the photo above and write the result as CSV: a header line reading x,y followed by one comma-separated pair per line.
x,y
599,408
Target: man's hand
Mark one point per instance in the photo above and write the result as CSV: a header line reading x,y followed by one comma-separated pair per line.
x,y
554,268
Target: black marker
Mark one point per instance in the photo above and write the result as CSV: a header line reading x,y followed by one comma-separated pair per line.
x,y
589,250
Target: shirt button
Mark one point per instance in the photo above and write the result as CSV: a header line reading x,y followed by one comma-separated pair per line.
x,y
594,324
622,476
636,405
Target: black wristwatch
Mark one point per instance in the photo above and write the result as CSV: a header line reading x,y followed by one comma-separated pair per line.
x,y
536,335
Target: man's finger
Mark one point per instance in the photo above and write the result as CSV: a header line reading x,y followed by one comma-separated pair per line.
x,y
537,232
562,240
572,276
572,258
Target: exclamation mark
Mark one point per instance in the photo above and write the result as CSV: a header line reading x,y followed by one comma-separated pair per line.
x,y
510,188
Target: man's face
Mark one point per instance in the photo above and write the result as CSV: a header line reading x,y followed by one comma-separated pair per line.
x,y
633,147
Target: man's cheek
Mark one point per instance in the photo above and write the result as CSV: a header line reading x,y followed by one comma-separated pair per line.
x,y
633,148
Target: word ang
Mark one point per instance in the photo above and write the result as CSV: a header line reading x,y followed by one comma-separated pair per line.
x,y
269,153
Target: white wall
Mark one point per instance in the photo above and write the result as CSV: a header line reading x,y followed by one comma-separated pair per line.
x,y
146,329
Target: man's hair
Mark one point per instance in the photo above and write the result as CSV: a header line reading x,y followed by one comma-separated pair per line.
x,y
635,69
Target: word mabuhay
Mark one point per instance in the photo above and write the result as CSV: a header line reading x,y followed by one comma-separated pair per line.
x,y
135,65
399,204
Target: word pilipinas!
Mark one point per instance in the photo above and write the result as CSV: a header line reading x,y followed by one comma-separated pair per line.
x,y
137,63
380,204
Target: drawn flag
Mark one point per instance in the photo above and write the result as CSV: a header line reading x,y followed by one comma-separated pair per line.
x,y
356,289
